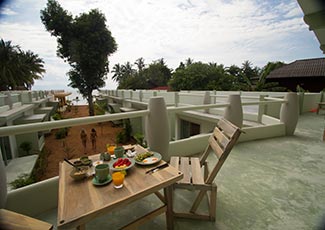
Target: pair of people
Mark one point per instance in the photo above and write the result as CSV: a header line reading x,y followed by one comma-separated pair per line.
x,y
93,137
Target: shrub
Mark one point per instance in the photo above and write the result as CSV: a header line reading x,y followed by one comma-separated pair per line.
x,y
61,133
125,135
26,146
99,108
56,116
22,180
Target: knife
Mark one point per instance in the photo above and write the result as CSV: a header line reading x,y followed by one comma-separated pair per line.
x,y
155,169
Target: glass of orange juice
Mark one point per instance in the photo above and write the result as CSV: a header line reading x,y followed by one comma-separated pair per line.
x,y
110,148
118,179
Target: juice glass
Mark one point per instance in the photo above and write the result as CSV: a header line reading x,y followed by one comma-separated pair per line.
x,y
110,148
118,179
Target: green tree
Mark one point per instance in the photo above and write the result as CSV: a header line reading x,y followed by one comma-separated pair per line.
x,y
83,41
201,76
157,74
18,69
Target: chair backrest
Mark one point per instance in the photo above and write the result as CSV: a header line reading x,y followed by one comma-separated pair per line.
x,y
222,140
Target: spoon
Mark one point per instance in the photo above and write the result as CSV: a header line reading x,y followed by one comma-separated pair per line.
x,y
70,163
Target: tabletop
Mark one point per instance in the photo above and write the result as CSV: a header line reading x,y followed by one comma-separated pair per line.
x,y
81,201
14,221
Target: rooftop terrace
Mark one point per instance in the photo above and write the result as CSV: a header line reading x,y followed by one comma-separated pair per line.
x,y
274,183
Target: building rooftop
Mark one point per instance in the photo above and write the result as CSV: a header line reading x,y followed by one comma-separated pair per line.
x,y
301,68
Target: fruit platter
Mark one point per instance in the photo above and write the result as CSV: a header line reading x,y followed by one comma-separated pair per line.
x,y
121,164
147,158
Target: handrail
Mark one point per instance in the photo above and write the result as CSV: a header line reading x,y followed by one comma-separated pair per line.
x,y
196,107
43,126
273,99
263,102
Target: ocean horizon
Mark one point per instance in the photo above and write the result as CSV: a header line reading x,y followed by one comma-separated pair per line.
x,y
75,94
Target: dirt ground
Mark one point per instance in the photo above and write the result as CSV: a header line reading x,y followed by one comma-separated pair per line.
x,y
71,146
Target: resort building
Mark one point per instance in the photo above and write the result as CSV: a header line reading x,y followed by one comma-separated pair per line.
x,y
23,107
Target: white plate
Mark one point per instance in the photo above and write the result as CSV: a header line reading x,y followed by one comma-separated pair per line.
x,y
121,169
150,160
95,163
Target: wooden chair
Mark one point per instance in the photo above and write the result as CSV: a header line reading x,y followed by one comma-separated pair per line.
x,y
196,173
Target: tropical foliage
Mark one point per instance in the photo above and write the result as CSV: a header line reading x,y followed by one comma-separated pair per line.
x,y
155,74
18,69
85,42
192,75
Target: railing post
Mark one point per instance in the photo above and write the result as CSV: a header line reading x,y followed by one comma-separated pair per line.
x,y
261,109
289,112
176,98
157,127
140,96
301,97
8,100
234,112
3,183
207,100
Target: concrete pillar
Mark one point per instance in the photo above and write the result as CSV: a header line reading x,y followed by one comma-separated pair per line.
x,y
207,100
8,100
176,97
289,112
234,112
261,109
157,127
3,183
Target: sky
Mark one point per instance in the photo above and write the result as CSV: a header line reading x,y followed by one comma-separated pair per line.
x,y
223,31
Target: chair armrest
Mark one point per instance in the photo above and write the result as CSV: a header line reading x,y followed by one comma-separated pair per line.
x,y
34,199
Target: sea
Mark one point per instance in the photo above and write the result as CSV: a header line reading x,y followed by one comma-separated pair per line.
x,y
76,95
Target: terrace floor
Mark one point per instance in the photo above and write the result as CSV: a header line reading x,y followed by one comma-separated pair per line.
x,y
275,183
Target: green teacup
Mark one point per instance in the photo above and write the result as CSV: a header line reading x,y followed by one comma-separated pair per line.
x,y
105,156
119,151
101,172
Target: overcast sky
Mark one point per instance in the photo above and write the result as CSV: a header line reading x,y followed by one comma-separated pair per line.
x,y
223,31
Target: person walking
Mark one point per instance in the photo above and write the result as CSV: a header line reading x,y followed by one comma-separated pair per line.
x,y
83,137
93,137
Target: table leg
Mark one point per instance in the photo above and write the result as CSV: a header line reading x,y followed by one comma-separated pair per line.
x,y
81,227
168,192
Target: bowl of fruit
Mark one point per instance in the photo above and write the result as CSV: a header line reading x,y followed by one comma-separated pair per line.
x,y
121,164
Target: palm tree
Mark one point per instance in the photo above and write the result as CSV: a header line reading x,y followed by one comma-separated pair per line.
x,y
33,68
18,68
188,61
117,70
139,63
127,69
8,64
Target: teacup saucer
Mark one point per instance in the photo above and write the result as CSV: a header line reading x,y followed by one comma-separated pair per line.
x,y
95,182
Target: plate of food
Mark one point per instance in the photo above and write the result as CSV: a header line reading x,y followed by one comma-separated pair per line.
x,y
147,158
122,163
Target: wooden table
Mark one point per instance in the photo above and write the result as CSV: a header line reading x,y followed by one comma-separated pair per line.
x,y
81,201
14,221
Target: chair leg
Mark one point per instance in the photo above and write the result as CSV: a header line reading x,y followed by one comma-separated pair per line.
x,y
213,202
